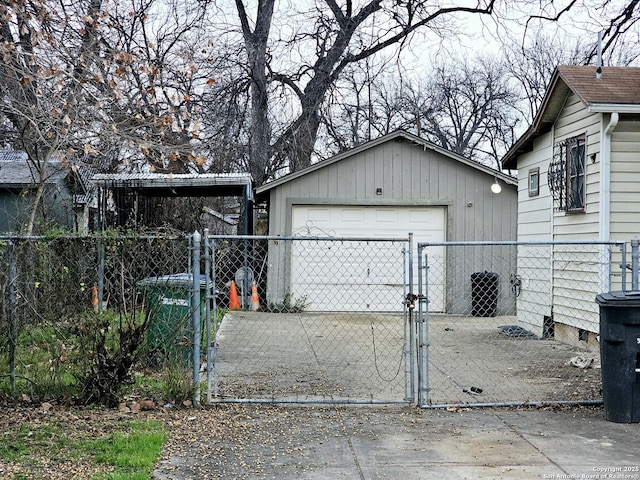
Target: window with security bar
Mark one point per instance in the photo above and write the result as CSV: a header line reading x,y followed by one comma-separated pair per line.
x,y
567,175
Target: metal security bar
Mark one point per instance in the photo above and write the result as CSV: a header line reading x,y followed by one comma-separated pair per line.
x,y
513,322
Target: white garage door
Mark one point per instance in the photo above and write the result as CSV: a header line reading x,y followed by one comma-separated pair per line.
x,y
364,282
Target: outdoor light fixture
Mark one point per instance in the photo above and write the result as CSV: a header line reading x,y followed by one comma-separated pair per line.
x,y
495,187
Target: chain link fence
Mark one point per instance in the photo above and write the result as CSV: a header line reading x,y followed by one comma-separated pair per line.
x,y
74,310
320,320
305,319
520,323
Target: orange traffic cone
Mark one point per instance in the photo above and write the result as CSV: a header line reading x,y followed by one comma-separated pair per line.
x,y
234,302
255,301
94,298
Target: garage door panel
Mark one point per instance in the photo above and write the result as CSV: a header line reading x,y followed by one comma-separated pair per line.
x,y
318,267
344,262
352,216
350,297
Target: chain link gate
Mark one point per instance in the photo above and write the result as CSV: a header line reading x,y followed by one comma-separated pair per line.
x,y
339,320
317,320
519,324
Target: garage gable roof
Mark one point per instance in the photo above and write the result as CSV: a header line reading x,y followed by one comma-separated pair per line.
x,y
616,89
398,134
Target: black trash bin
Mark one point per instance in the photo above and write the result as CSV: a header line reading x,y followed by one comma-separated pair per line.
x,y
484,294
620,355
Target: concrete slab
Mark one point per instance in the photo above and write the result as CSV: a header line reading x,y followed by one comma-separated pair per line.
x,y
395,442
359,357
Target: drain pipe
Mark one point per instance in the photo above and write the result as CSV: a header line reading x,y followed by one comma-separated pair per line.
x,y
605,184
605,178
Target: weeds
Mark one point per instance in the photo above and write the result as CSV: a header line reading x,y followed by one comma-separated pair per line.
x,y
289,305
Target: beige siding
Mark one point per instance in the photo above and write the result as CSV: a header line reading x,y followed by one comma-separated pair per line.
x,y
534,225
569,288
571,291
574,121
625,178
534,213
625,181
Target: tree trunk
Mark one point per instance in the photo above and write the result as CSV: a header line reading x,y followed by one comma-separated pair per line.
x,y
256,44
37,201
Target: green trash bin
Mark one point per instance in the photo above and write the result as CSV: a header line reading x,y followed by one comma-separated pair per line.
x,y
620,355
169,301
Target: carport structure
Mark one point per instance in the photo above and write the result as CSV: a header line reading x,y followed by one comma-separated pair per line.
x,y
127,196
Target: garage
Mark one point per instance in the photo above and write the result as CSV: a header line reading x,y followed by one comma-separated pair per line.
x,y
351,272
383,189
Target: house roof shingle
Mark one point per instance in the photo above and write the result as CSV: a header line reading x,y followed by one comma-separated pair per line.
x,y
17,173
616,85
617,89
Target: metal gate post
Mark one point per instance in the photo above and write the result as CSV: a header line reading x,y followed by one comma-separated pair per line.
x,y
207,308
100,286
12,292
635,243
423,329
195,305
623,266
409,325
214,343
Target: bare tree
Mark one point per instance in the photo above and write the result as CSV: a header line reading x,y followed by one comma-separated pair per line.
x,y
468,107
332,36
117,80
616,20
363,104
532,65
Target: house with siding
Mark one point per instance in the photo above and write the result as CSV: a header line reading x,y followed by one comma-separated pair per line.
x,y
387,188
578,176
69,201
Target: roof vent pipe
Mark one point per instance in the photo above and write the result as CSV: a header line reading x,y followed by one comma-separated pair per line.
x,y
599,58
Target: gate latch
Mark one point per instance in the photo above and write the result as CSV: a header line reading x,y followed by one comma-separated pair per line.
x,y
411,301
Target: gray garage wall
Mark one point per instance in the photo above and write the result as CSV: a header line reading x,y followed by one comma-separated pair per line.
x,y
408,171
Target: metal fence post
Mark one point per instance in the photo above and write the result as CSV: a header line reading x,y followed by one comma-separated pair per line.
x,y
635,243
214,289
412,340
207,308
11,310
423,332
408,392
101,255
197,334
623,266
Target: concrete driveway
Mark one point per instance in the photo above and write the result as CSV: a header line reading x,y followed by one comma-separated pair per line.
x,y
260,441
356,358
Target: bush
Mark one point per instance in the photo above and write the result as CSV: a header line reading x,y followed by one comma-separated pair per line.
x,y
111,347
